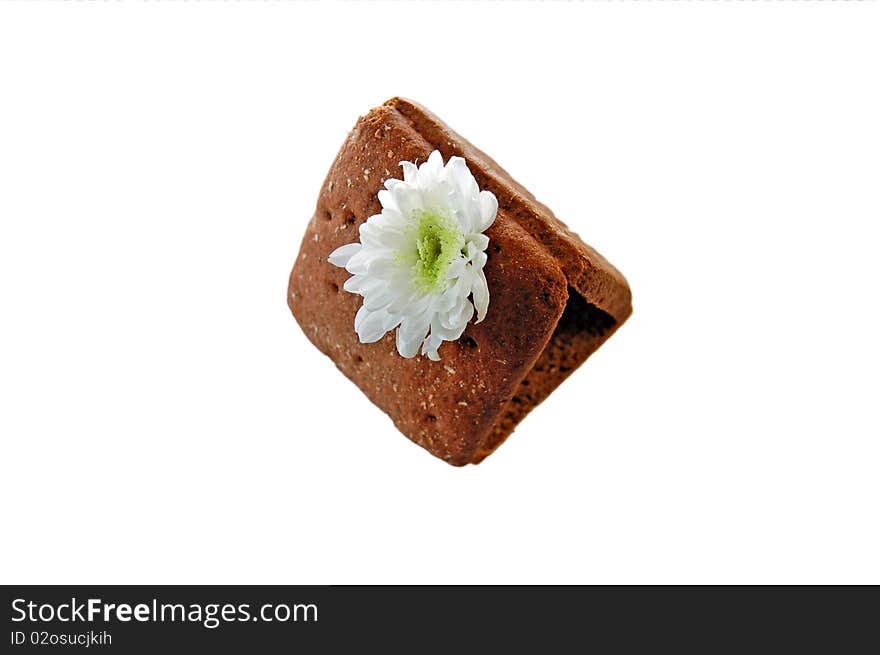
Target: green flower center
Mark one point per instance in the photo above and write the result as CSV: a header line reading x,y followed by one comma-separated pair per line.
x,y
439,242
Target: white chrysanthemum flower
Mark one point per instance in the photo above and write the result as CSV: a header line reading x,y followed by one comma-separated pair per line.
x,y
421,259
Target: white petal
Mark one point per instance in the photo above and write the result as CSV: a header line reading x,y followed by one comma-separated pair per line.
x,y
374,326
379,299
462,286
480,289
479,260
402,303
480,241
393,183
392,218
456,268
408,347
354,284
434,164
408,300
359,317
464,180
414,327
430,346
458,316
409,171
488,210
412,332
408,199
383,267
386,199
362,284
427,175
357,265
436,193
445,333
372,234
342,254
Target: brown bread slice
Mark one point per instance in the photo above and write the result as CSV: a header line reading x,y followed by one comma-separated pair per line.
x,y
554,300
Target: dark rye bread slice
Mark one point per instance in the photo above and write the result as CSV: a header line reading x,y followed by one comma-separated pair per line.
x,y
553,299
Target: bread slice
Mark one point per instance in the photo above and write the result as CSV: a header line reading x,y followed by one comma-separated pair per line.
x,y
554,300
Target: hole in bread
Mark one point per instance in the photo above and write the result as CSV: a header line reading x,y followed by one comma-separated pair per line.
x,y
348,217
468,342
430,418
326,215
358,359
334,287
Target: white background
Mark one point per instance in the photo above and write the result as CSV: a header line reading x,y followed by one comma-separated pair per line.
x,y
164,419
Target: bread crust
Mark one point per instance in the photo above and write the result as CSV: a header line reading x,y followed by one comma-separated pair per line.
x,y
554,300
